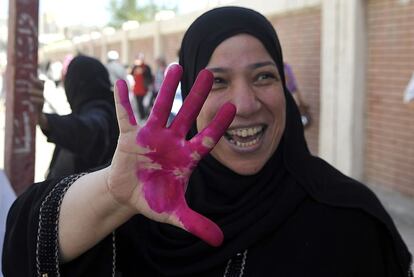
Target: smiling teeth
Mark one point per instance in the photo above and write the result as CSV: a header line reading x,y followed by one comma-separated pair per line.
x,y
246,144
245,132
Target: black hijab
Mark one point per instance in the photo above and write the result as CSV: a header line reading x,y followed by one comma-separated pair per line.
x,y
87,79
250,207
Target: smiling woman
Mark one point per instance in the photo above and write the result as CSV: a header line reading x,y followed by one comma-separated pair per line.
x,y
228,189
245,75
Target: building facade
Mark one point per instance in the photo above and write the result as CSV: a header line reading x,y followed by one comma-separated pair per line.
x,y
353,60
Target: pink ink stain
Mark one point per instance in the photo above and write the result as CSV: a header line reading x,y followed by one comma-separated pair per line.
x,y
124,100
174,157
164,187
200,226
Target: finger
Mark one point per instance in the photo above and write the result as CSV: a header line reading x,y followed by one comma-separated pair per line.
x,y
163,103
193,103
204,141
200,226
36,97
36,82
37,100
125,115
35,92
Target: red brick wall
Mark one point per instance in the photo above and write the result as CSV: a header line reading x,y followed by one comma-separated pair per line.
x,y
390,123
172,43
300,36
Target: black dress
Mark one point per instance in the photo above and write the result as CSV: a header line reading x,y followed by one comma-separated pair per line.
x,y
311,239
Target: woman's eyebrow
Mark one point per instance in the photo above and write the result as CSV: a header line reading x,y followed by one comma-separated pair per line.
x,y
217,69
261,64
250,67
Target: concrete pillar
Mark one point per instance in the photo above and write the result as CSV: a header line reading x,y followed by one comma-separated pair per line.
x,y
158,41
125,58
343,58
21,113
104,49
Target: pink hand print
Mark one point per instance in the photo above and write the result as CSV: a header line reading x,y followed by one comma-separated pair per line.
x,y
164,159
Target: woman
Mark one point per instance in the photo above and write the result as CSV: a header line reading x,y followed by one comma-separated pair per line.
x,y
143,80
261,205
87,137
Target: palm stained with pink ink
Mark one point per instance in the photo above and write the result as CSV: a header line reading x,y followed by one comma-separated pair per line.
x,y
165,159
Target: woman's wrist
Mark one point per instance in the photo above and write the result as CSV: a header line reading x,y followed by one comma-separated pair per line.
x,y
122,210
88,214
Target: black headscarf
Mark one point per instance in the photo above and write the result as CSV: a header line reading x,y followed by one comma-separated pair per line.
x,y
86,79
250,207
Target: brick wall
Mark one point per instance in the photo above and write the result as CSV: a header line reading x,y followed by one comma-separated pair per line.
x,y
145,46
300,36
389,153
172,43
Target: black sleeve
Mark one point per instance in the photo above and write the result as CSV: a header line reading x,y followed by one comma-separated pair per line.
x,y
31,239
83,133
19,250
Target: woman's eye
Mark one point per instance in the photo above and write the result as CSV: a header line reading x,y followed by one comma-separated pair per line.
x,y
218,80
219,83
265,76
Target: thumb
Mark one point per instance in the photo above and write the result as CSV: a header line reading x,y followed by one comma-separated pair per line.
x,y
199,225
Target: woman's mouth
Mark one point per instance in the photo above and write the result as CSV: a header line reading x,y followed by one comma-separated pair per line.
x,y
247,137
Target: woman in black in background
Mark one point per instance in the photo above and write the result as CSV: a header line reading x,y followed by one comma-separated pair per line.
x,y
87,137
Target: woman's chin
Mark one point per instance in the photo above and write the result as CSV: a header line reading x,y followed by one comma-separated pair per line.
x,y
240,165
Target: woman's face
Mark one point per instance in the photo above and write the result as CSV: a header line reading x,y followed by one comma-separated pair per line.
x,y
245,75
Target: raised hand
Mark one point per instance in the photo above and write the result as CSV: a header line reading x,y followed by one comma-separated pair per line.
x,y
38,100
153,163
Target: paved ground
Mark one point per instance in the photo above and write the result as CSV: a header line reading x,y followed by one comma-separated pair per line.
x,y
399,206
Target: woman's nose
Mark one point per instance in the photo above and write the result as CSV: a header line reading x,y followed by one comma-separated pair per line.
x,y
245,99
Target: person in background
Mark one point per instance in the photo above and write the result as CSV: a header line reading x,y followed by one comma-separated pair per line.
x,y
293,88
115,68
161,66
87,137
228,189
65,64
143,81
